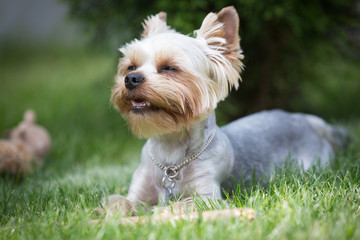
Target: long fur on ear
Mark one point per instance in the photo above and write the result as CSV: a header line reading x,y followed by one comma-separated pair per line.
x,y
220,32
155,25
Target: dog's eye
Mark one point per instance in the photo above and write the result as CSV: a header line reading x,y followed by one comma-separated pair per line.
x,y
168,68
131,68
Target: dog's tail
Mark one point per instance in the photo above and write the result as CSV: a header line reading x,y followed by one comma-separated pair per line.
x,y
338,136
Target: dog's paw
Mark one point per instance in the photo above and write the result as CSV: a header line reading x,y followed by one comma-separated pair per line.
x,y
117,204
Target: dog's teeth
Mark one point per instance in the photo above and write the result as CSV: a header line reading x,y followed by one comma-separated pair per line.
x,y
140,104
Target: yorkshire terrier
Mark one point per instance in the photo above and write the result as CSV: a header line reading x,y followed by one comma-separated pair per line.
x,y
167,88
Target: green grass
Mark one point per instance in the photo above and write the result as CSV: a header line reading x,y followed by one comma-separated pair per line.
x,y
94,155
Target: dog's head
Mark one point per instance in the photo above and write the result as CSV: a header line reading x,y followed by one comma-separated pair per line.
x,y
166,81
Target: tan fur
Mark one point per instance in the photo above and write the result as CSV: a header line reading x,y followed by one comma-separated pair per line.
x,y
15,158
177,100
187,95
27,145
224,47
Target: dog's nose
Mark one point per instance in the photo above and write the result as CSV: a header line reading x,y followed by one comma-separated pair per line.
x,y
132,80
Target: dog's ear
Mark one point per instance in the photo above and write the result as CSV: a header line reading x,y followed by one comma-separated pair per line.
x,y
155,24
229,17
220,31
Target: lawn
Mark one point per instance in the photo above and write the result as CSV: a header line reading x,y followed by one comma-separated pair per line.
x,y
94,154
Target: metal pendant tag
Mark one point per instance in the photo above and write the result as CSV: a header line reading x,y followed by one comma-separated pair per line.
x,y
167,195
168,185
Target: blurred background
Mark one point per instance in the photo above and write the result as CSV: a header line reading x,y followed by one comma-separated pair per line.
x,y
60,57
300,55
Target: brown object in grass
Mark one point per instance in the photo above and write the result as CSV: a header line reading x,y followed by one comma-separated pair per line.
x,y
240,213
25,147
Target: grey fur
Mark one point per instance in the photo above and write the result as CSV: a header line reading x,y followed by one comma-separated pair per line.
x,y
255,144
264,140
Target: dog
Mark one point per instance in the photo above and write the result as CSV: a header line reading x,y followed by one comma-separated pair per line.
x,y
26,146
167,88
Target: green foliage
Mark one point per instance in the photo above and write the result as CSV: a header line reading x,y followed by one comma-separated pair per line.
x,y
280,41
259,18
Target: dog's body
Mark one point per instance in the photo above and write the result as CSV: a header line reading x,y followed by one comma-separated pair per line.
x,y
264,140
167,88
253,145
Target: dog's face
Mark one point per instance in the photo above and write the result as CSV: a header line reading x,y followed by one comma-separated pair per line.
x,y
166,81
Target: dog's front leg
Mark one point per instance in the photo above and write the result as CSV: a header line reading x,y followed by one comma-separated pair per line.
x,y
207,190
142,193
200,193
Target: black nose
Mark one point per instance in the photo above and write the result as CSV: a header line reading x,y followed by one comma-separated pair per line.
x,y
132,80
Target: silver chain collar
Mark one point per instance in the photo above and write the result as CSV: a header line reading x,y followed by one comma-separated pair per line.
x,y
171,172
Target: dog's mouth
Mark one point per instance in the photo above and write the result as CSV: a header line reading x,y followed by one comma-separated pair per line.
x,y
140,105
